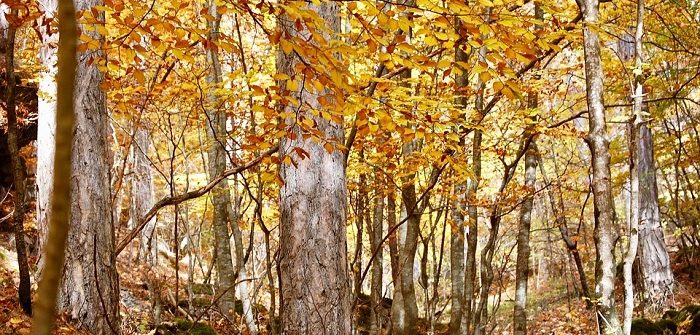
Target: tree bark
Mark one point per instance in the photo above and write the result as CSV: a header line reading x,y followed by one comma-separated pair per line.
x,y
18,176
397,309
142,193
635,123
89,290
458,213
523,248
313,258
472,236
653,255
376,234
217,157
407,254
598,142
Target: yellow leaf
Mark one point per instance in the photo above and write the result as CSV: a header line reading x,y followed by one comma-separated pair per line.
x,y
328,147
286,46
140,78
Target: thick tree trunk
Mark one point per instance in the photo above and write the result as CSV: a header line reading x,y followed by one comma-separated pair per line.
x,y
600,159
376,234
523,259
217,157
19,179
64,111
313,258
653,255
46,132
89,291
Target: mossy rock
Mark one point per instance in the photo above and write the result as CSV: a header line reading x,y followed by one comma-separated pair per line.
x,y
645,327
202,288
182,327
670,314
197,302
667,326
695,325
687,313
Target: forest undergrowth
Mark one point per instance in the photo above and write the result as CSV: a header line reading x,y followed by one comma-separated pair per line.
x,y
553,312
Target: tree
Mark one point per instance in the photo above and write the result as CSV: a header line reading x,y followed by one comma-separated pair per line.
x,y
18,175
315,296
522,267
217,157
600,160
89,290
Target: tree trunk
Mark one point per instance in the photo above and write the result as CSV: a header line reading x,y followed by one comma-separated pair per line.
x,y
142,193
635,123
472,236
397,309
89,290
19,179
556,201
46,128
313,258
458,213
217,157
376,234
407,254
522,266
653,255
600,158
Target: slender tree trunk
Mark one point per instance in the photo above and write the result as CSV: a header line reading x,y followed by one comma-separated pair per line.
x,y
142,193
635,123
313,204
217,157
458,213
397,309
18,176
556,202
376,234
241,270
359,225
522,271
600,157
89,290
407,256
472,237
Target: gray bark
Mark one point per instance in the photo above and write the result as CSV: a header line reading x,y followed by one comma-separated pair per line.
x,y
523,248
376,234
315,292
635,123
598,142
397,309
142,193
407,254
458,214
221,199
653,255
89,290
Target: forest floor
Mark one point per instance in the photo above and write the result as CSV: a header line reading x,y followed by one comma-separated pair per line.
x,y
555,313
